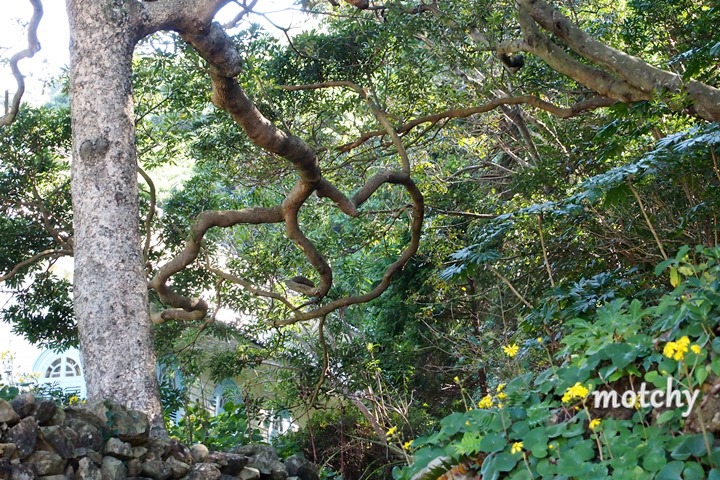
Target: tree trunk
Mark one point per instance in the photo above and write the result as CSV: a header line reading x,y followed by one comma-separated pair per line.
x,y
110,290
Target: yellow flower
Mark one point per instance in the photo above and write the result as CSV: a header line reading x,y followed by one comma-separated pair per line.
x,y
677,350
594,423
500,405
502,395
456,379
467,423
511,350
551,446
73,400
407,445
500,387
392,431
517,447
486,402
696,349
576,391
539,339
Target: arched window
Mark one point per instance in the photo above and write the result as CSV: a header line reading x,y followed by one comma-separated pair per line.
x,y
63,369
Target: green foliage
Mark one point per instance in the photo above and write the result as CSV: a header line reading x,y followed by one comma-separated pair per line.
x,y
219,432
546,424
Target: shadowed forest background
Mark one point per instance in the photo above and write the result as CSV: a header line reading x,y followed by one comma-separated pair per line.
x,y
568,238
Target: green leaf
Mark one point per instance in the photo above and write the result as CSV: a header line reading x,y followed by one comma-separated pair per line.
x,y
714,474
492,442
693,470
654,460
666,416
701,375
671,471
536,438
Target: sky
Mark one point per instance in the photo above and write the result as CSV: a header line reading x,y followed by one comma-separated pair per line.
x,y
54,39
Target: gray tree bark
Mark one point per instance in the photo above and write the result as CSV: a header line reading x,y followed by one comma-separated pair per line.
x,y
110,289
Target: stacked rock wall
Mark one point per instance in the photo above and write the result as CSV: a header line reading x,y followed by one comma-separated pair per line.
x,y
104,441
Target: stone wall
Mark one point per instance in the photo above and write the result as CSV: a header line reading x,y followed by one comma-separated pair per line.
x,y
104,441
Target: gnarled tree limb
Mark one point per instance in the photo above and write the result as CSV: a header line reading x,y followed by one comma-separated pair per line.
x,y
12,109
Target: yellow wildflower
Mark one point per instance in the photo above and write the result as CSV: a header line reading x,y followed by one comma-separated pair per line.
x,y
500,405
696,349
392,431
576,391
517,447
456,379
407,445
500,387
594,423
73,400
486,402
511,350
677,350
539,339
551,446
502,395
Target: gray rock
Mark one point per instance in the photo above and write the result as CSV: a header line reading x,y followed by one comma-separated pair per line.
x,y
87,470
204,471
128,425
8,414
159,448
88,453
232,463
58,439
24,471
140,453
5,469
7,449
298,466
88,435
293,478
113,469
23,404
44,411
24,436
199,452
134,467
156,469
249,473
60,418
118,449
115,420
180,452
178,469
47,463
54,477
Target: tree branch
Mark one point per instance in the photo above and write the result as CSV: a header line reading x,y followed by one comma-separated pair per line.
x,y
561,112
12,109
637,80
34,258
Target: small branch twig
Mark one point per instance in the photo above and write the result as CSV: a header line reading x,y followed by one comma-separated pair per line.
x,y
647,219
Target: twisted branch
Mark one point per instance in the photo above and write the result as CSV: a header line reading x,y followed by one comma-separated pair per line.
x,y
11,110
214,46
